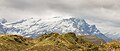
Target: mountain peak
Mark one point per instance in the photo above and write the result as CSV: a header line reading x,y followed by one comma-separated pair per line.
x,y
3,20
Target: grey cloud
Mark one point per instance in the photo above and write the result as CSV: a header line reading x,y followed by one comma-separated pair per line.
x,y
106,11
72,7
66,6
108,22
67,3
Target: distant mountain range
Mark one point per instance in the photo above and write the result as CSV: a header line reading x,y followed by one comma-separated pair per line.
x,y
34,27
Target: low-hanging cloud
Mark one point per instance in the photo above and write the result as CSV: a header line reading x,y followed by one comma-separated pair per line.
x,y
98,11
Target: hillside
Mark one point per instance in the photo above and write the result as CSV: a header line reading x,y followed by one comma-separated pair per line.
x,y
92,39
56,42
14,42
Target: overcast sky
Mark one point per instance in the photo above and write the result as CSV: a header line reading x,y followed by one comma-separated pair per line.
x,y
104,13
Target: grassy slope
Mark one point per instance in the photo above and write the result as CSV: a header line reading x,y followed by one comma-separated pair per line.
x,y
65,42
92,39
14,42
56,42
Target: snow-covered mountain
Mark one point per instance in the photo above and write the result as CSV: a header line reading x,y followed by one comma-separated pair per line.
x,y
3,20
34,27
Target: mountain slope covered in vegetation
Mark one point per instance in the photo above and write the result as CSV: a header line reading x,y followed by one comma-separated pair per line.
x,y
56,42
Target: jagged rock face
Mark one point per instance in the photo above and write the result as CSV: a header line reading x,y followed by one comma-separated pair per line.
x,y
3,20
35,27
118,39
1,28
